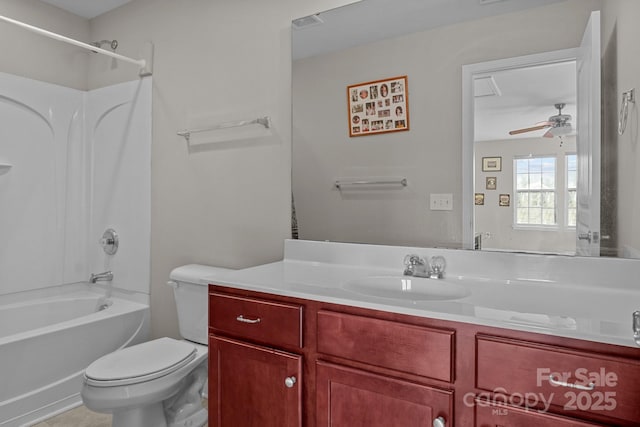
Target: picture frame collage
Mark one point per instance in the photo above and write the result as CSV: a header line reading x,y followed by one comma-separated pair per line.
x,y
492,164
378,106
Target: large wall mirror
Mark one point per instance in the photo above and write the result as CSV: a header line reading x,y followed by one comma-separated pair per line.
x,y
494,157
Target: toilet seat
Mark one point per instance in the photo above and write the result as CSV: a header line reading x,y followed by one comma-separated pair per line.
x,y
140,363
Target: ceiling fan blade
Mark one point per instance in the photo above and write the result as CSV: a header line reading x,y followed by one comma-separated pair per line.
x,y
548,134
531,129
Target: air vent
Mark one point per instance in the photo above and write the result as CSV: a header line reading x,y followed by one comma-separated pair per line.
x,y
307,21
483,2
485,86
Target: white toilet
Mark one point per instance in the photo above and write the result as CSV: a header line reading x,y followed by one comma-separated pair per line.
x,y
159,383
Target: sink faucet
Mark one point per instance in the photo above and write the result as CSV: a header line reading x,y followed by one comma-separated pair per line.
x,y
416,266
419,267
107,276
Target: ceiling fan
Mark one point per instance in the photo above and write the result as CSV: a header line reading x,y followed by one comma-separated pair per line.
x,y
558,125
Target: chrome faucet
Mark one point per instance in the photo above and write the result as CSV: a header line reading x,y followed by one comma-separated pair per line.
x,y
416,266
107,276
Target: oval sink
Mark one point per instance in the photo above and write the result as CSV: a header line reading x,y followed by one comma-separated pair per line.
x,y
407,288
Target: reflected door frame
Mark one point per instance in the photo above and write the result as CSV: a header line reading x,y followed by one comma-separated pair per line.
x,y
468,118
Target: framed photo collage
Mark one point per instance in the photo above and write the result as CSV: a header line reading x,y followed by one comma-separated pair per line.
x,y
378,106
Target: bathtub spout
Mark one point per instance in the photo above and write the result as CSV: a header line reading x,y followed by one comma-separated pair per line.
x,y
107,276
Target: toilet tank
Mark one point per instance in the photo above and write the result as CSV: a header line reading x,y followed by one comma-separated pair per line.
x,y
192,302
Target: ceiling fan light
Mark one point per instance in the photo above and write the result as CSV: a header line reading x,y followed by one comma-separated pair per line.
x,y
561,130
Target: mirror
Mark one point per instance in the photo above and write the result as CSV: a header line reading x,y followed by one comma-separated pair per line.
x,y
359,43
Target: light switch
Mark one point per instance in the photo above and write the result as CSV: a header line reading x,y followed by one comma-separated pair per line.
x,y
441,202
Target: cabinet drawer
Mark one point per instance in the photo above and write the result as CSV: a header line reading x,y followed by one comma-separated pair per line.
x,y
271,323
570,380
407,348
495,415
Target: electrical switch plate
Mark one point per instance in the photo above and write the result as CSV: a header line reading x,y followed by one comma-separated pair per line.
x,y
441,202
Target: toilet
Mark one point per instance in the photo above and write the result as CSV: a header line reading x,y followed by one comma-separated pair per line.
x,y
159,383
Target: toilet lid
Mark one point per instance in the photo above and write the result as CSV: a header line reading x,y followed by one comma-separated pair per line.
x,y
142,362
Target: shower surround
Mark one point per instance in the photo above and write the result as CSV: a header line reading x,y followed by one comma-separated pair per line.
x,y
79,164
72,164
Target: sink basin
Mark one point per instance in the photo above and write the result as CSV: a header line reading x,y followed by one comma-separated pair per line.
x,y
407,288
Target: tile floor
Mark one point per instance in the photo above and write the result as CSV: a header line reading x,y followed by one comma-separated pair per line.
x,y
78,417
81,417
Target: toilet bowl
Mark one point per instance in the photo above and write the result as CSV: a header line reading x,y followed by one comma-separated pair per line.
x,y
159,383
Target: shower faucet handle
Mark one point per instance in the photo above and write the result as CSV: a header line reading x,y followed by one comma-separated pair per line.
x,y
109,241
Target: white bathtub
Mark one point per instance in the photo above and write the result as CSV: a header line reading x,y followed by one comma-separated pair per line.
x,y
47,340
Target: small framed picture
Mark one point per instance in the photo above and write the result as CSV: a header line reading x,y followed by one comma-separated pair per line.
x,y
491,183
479,199
491,164
505,200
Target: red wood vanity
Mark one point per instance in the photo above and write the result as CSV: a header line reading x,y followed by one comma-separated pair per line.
x,y
277,361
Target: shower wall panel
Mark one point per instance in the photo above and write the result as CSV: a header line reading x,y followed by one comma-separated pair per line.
x,y
75,162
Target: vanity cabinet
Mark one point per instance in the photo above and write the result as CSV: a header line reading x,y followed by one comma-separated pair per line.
x,y
362,367
255,374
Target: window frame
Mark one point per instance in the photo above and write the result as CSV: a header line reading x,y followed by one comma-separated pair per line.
x,y
561,193
528,226
566,208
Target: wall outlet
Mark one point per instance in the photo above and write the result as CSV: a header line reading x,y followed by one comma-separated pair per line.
x,y
441,202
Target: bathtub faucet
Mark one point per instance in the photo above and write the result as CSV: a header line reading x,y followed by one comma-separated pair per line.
x,y
107,276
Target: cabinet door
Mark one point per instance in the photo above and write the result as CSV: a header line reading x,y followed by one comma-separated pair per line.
x,y
352,398
253,386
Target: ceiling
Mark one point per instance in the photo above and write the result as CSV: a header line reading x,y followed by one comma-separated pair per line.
x,y
352,25
87,8
525,97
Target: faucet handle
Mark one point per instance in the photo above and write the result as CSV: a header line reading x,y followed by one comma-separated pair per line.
x,y
438,265
412,260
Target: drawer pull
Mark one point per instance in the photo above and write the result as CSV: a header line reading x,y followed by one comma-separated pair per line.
x,y
439,422
290,382
587,387
243,319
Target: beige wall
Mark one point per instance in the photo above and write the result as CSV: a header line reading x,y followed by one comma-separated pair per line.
x,y
226,206
30,55
429,155
621,72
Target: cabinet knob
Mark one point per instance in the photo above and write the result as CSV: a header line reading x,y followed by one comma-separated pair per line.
x,y
290,381
439,422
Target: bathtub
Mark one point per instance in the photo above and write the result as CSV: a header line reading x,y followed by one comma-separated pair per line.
x,y
48,339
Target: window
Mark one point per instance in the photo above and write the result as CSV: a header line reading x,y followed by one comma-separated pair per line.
x,y
540,195
536,191
572,188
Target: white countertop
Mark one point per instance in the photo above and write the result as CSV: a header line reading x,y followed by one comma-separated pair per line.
x,y
514,291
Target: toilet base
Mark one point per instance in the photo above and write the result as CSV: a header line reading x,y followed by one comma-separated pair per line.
x,y
153,416
146,416
197,419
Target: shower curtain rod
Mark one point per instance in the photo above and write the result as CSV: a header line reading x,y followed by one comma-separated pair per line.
x,y
139,62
